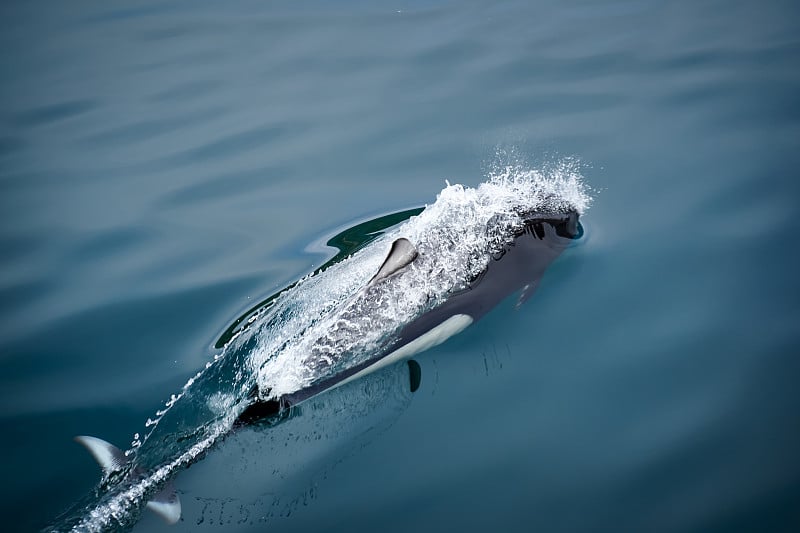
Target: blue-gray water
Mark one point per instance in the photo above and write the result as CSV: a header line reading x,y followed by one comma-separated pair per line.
x,y
165,165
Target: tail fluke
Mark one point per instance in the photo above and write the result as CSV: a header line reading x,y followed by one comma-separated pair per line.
x,y
165,504
109,457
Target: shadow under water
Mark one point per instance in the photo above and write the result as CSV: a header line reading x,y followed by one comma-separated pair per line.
x,y
263,472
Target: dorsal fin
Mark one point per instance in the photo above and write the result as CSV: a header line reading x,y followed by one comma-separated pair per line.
x,y
401,255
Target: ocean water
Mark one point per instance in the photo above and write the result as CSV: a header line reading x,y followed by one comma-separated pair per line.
x,y
167,166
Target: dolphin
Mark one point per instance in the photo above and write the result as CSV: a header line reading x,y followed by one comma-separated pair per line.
x,y
518,266
407,291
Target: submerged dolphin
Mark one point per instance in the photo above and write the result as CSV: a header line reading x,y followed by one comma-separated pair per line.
x,y
405,292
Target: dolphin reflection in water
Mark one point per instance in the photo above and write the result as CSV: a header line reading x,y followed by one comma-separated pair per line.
x,y
409,289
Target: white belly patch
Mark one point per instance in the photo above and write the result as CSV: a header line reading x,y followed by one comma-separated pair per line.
x,y
434,337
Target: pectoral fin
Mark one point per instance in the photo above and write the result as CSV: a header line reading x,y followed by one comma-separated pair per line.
x,y
400,256
414,375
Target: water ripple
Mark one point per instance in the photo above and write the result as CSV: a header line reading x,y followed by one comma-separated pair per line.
x,y
50,113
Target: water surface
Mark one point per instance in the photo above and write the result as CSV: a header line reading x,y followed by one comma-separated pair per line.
x,y
166,165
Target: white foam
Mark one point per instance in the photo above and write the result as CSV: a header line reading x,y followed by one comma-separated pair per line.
x,y
328,323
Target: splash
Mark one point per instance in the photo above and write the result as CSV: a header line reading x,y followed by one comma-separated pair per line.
x,y
328,323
